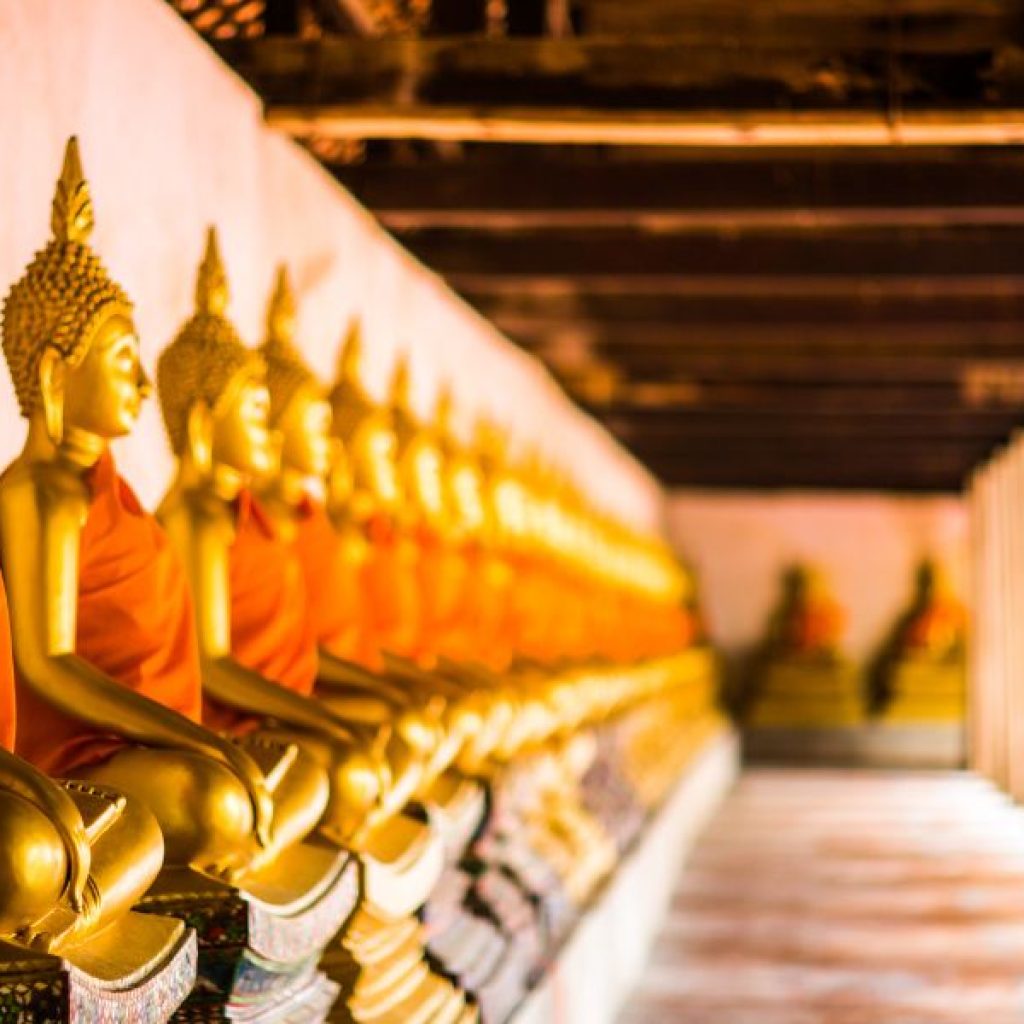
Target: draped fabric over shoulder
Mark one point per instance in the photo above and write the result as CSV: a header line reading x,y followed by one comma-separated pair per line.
x,y
135,623
272,630
391,587
7,718
333,575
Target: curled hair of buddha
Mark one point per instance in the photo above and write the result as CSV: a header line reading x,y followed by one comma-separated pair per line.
x,y
207,355
287,371
65,293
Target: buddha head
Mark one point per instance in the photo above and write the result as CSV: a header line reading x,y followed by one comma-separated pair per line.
x,y
367,431
299,410
212,388
68,334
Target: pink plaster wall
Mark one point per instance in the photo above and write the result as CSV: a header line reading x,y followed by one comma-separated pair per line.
x,y
868,545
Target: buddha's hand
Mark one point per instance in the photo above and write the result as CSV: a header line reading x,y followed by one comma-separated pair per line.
x,y
249,774
79,888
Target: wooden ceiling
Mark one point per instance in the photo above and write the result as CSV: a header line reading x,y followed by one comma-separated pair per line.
x,y
769,243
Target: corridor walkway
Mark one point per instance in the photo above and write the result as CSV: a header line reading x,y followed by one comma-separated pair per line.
x,y
826,897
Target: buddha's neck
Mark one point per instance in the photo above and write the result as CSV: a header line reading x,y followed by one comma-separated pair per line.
x,y
282,496
219,480
79,449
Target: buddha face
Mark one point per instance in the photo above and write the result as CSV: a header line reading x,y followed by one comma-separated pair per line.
x,y
426,475
374,457
241,437
467,496
305,434
103,393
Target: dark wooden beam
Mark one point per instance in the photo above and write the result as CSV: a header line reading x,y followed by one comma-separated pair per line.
x,y
847,430
840,80
721,304
893,188
771,337
935,475
814,370
803,399
865,253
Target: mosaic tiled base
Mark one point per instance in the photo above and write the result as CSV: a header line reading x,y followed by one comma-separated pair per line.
x,y
38,988
254,963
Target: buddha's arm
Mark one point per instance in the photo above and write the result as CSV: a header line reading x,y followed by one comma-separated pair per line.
x,y
40,532
347,677
231,683
205,542
430,682
18,776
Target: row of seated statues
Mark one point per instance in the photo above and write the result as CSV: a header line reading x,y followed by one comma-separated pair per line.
x,y
800,677
357,722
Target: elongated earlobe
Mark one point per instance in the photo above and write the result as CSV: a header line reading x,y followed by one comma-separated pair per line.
x,y
52,378
200,437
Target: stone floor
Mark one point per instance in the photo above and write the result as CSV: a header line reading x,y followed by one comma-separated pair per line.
x,y
831,897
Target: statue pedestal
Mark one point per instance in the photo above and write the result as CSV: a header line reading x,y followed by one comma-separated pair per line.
x,y
878,744
926,692
810,693
259,948
479,927
137,970
379,960
597,968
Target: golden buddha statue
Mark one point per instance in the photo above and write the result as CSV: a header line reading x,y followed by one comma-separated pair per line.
x,y
105,646
121,707
257,632
293,498
799,677
919,675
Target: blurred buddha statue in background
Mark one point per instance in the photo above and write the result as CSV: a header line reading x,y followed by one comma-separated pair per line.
x,y
800,677
919,675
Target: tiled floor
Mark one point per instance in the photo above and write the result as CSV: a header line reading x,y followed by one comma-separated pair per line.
x,y
821,897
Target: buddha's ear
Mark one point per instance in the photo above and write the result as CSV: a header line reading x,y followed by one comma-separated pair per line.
x,y
199,437
52,381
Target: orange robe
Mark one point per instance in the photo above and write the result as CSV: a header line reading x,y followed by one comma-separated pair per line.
x,y
441,569
272,629
135,624
333,577
6,676
391,587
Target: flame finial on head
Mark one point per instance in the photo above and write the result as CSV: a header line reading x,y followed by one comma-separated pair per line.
x,y
350,361
71,219
287,371
281,312
401,384
444,411
212,281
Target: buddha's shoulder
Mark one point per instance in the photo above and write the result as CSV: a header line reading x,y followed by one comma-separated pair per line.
x,y
193,508
42,481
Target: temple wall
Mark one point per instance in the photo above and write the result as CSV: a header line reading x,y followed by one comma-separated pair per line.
x,y
868,546
172,140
